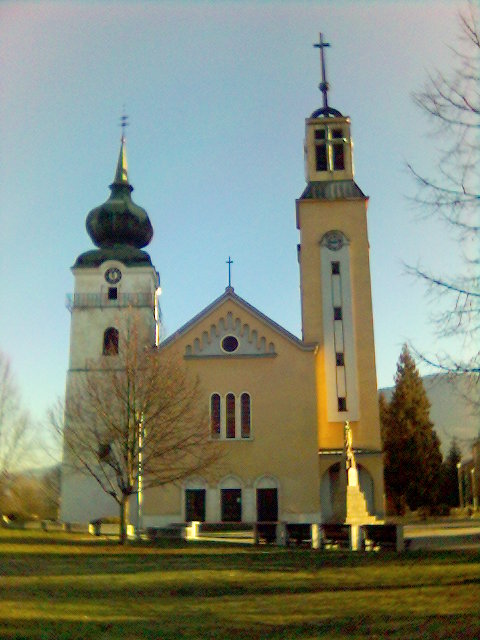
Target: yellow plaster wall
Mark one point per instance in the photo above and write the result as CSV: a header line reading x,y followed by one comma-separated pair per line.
x,y
283,414
349,216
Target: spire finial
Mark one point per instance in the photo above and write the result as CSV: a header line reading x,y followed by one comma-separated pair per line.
x,y
121,174
124,123
229,262
323,86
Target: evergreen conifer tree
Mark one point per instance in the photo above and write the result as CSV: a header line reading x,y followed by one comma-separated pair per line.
x,y
450,476
413,462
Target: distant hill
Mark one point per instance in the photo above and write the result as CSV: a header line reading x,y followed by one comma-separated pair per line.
x,y
454,402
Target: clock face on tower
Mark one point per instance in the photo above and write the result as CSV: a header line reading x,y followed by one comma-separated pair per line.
x,y
113,275
334,240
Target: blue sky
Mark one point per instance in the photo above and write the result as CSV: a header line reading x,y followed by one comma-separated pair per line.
x,y
217,94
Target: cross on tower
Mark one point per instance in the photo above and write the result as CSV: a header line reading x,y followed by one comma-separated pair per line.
x,y
323,86
229,262
124,122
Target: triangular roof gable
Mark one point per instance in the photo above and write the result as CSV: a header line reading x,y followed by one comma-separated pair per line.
x,y
251,342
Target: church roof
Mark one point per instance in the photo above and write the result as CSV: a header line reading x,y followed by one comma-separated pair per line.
x,y
129,256
230,294
332,190
326,112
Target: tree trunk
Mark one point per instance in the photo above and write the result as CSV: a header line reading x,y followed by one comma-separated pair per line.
x,y
124,519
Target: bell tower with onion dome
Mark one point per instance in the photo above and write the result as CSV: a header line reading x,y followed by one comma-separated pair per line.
x,y
113,283
115,278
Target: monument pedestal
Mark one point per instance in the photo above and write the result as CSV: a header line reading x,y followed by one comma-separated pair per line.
x,y
356,511
349,505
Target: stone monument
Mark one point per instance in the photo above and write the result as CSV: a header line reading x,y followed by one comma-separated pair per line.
x,y
350,506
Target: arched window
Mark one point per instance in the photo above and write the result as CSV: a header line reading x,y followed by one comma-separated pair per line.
x,y
215,415
110,342
230,415
245,414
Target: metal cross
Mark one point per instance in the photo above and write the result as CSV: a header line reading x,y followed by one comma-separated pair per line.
x,y
124,122
229,262
323,86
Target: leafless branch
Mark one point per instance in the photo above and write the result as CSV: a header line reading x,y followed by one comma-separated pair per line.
x,y
139,394
452,101
15,424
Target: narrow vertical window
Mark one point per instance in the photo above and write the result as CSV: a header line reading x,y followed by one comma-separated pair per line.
x,y
342,404
112,293
110,342
335,268
245,414
321,150
338,150
230,415
338,157
215,415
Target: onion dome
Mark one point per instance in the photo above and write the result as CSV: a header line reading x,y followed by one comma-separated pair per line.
x,y
119,223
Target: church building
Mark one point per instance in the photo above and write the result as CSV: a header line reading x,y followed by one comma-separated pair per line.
x,y
278,403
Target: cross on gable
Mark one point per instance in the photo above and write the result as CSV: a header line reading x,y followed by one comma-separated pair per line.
x,y
229,262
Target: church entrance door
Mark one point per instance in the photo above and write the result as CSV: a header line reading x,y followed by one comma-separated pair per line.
x,y
267,505
195,505
231,505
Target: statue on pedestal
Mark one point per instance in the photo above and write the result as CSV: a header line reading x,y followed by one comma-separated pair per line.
x,y
351,465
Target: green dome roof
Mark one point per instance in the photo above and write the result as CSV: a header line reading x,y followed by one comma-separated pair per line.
x,y
119,221
129,256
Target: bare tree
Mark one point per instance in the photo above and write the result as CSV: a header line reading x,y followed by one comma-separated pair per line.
x,y
15,432
452,194
135,420
32,495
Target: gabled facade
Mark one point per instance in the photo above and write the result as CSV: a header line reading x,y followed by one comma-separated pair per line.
x,y
259,386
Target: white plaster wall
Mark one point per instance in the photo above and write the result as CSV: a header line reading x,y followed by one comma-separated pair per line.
x,y
134,279
250,342
212,507
249,505
331,298
89,323
162,520
82,499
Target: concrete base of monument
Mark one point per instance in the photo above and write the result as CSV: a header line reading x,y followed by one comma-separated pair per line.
x,y
350,515
356,508
350,507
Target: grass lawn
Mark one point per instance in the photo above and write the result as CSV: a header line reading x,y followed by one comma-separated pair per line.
x,y
59,586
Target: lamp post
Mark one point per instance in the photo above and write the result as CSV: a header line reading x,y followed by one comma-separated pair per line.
x,y
460,488
140,435
474,490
